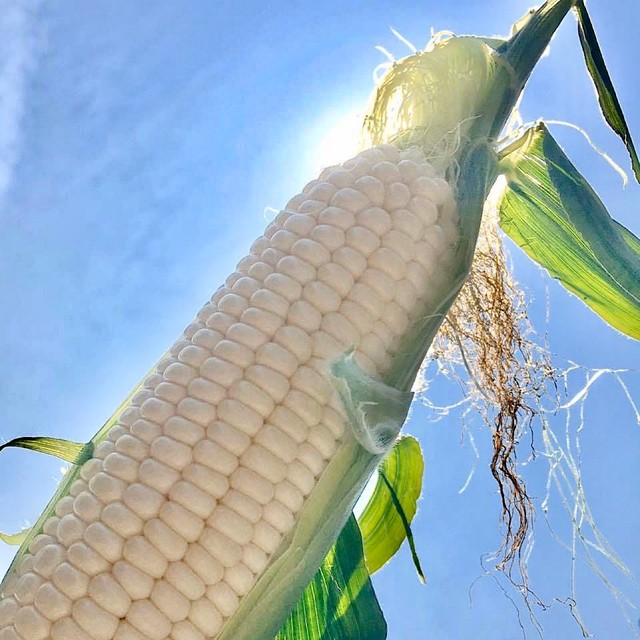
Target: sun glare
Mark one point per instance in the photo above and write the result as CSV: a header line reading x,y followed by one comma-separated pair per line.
x,y
340,142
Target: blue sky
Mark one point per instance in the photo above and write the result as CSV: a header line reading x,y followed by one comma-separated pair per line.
x,y
140,144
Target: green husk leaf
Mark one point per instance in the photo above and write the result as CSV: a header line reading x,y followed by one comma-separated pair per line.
x,y
15,538
549,209
385,521
339,603
73,452
607,97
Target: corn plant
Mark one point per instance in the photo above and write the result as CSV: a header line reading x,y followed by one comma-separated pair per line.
x,y
217,501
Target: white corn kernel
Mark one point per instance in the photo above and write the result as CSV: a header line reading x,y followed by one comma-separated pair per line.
x,y
270,301
142,554
182,521
239,578
273,383
372,188
323,441
304,406
169,601
90,468
224,598
264,321
397,197
87,507
87,559
246,335
105,488
337,277
104,541
103,449
254,558
182,577
137,583
206,391
179,373
121,519
30,624
300,476
243,505
386,172
278,358
149,620
105,591
208,569
132,447
252,484
186,630
297,268
239,415
388,261
353,261
170,452
266,537
264,463
170,392
26,588
290,423
300,224
234,352
201,413
192,498
145,431
206,617
169,543
290,496
253,397
278,516
277,442
230,524
67,629
143,500
337,217
213,483
157,475
70,529
51,602
120,466
94,619
304,315
8,610
329,236
48,558
182,430
127,632
212,455
224,549
221,371
157,410
71,581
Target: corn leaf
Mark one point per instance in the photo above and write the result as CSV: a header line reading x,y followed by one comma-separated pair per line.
x,y
15,538
73,452
385,521
339,603
607,98
549,209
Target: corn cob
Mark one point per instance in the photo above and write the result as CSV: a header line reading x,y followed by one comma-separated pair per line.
x,y
200,485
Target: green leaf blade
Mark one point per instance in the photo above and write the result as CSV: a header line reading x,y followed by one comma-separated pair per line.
x,y
339,603
553,214
384,523
607,97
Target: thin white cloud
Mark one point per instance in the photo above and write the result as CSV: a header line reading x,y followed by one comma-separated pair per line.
x,y
19,46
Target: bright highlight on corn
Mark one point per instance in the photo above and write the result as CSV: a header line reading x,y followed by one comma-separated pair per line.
x,y
180,511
